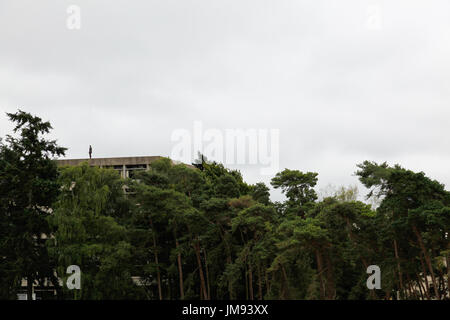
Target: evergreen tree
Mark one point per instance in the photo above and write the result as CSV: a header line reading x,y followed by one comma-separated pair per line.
x,y
28,187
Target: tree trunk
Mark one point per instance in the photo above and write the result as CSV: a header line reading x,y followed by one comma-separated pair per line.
x,y
441,281
400,276
286,282
424,289
331,295
420,289
246,281
427,260
260,290
155,252
29,288
319,271
201,292
266,276
411,290
250,281
447,262
352,238
229,261
230,284
200,270
424,271
180,269
207,276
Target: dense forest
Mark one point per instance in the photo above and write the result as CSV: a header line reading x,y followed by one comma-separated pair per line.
x,y
184,232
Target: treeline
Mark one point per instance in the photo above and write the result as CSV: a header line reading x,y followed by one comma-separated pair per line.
x,y
203,233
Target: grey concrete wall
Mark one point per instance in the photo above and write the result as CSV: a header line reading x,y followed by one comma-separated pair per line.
x,y
109,161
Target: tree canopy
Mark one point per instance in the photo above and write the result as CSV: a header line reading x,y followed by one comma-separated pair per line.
x,y
182,232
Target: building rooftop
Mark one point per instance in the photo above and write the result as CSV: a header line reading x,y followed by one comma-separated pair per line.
x,y
126,166
106,162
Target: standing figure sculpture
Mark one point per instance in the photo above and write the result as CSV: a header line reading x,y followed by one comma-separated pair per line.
x,y
90,152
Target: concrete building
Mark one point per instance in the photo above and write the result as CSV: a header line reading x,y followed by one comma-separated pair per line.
x,y
126,166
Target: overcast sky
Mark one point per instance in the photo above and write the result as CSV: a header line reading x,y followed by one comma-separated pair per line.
x,y
343,81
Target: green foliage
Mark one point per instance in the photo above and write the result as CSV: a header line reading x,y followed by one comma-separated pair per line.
x,y
298,187
28,187
202,232
414,219
88,234
260,192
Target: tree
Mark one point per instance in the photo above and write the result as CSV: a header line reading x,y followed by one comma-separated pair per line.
x,y
201,232
253,222
260,192
88,234
163,211
415,205
28,187
298,187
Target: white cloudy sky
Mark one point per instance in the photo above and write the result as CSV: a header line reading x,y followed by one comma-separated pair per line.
x,y
341,83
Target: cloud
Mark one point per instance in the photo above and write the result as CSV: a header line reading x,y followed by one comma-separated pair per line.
x,y
339,92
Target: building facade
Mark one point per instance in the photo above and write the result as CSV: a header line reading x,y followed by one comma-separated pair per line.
x,y
126,166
